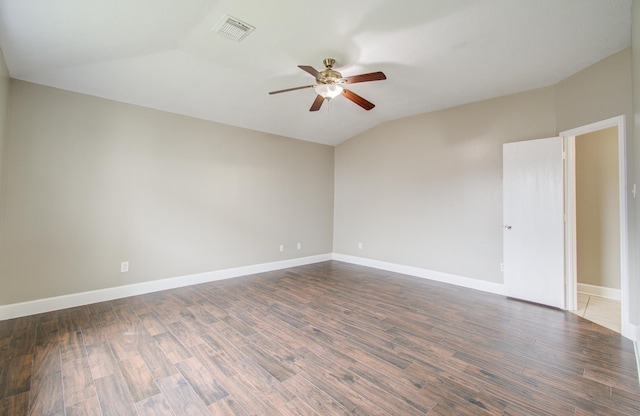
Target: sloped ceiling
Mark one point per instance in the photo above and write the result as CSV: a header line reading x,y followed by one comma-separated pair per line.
x,y
436,54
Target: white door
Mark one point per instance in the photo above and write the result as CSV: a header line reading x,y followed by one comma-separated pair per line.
x,y
534,221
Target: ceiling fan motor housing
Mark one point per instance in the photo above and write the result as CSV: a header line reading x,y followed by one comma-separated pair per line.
x,y
328,75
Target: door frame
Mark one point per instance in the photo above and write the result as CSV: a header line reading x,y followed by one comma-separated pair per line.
x,y
571,282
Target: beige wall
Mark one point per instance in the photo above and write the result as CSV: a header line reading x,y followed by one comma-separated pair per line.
x,y
90,183
596,93
426,191
5,91
598,208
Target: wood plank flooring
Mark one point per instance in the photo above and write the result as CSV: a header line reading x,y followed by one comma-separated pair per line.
x,y
324,339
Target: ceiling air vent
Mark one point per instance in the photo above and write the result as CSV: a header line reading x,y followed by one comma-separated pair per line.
x,y
233,28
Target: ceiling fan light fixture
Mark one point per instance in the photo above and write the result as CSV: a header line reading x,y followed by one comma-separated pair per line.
x,y
328,90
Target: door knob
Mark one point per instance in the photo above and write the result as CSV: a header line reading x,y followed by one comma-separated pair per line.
x,y
507,227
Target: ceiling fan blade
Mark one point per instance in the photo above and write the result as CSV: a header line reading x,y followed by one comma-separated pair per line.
x,y
350,95
373,76
292,89
317,103
311,70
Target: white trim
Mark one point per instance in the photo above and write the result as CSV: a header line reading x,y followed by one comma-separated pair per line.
x,y
571,280
601,291
77,299
636,348
571,238
477,284
598,125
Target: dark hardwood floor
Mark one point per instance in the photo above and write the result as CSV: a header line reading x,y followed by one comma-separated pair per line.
x,y
325,339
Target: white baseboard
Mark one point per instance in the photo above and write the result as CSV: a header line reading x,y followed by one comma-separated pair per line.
x,y
84,298
636,347
634,332
78,299
603,292
483,285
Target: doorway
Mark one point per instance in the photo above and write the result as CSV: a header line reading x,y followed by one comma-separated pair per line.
x,y
598,227
612,261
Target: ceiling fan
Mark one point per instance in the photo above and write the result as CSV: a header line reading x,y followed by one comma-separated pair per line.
x,y
329,84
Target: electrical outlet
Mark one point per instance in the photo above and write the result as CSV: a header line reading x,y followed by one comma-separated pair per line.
x,y
501,267
124,267
281,247
299,246
359,246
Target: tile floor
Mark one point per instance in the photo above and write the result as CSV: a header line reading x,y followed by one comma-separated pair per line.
x,y
603,311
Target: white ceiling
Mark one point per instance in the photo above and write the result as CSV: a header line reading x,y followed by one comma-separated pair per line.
x,y
436,54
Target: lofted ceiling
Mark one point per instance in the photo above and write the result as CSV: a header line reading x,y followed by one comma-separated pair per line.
x,y
436,54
